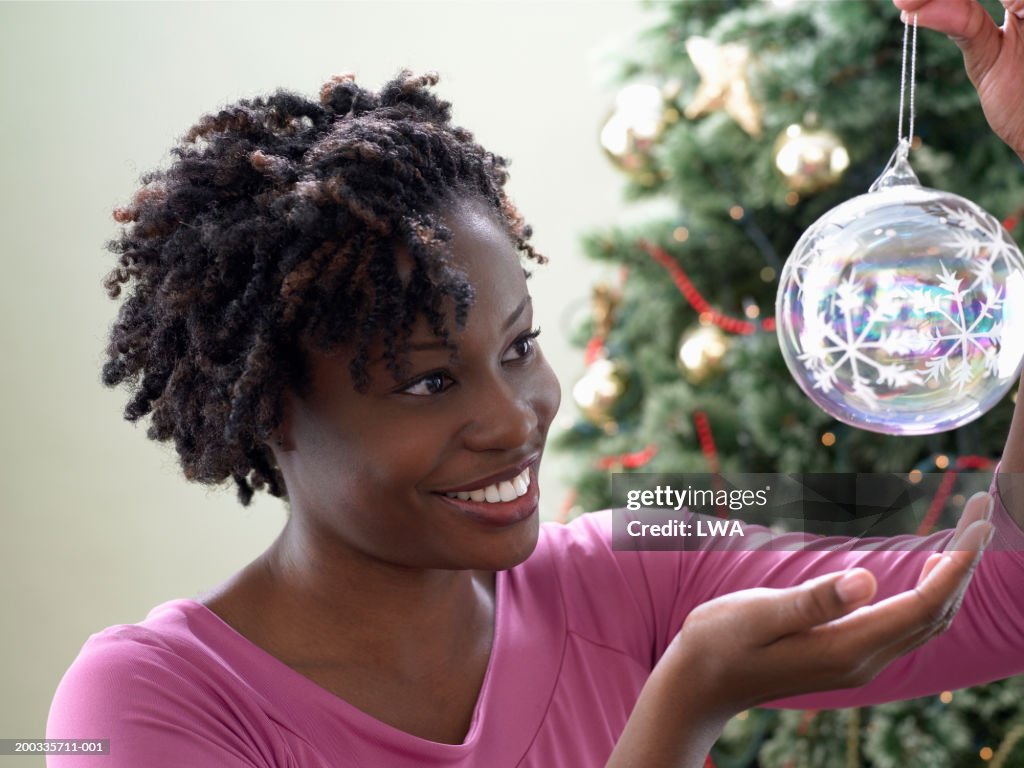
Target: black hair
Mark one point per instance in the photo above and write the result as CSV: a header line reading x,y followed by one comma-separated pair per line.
x,y
277,223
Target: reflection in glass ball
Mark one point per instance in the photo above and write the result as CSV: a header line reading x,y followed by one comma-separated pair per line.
x,y
902,310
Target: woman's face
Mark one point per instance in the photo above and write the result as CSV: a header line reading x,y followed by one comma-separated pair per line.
x,y
376,474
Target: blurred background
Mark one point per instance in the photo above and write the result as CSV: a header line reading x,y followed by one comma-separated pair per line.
x,y
98,524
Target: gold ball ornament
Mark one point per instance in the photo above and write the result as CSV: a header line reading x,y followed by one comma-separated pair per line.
x,y
600,389
811,160
633,128
701,351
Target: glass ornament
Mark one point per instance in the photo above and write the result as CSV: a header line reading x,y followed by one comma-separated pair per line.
x,y
901,311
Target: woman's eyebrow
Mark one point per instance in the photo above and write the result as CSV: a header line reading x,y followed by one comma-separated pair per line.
x,y
516,313
419,346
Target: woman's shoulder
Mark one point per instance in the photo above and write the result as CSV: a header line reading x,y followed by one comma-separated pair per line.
x,y
146,655
146,685
176,656
170,627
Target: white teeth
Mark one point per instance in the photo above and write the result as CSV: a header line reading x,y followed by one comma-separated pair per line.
x,y
506,490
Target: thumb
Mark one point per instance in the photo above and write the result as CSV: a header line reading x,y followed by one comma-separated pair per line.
x,y
821,600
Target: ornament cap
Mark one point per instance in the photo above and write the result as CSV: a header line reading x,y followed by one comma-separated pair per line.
x,y
897,172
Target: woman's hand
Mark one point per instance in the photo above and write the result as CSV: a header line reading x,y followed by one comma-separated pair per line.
x,y
993,56
758,645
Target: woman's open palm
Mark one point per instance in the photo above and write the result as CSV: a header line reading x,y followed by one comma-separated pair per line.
x,y
758,645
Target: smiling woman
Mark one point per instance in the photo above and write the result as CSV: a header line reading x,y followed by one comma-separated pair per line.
x,y
326,300
370,472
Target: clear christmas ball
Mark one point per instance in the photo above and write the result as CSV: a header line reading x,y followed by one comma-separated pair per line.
x,y
902,310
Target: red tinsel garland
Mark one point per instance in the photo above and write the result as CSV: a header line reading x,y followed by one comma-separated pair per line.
x,y
628,460
707,441
697,301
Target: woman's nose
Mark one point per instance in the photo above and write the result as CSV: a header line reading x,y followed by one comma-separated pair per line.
x,y
503,419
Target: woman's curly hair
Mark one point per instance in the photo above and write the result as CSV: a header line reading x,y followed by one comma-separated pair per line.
x,y
278,221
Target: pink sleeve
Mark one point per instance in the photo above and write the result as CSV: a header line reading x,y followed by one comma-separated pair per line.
x,y
984,643
138,696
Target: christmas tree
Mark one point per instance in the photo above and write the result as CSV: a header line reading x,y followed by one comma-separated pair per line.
x,y
748,120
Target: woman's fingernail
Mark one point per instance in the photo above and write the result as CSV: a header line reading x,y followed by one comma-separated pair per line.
x,y
853,586
988,538
904,17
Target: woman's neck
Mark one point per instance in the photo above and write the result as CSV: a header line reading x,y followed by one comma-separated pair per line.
x,y
309,604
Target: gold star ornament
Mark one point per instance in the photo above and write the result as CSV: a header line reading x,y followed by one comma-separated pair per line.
x,y
723,83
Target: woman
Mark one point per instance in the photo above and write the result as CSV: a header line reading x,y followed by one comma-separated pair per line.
x,y
325,300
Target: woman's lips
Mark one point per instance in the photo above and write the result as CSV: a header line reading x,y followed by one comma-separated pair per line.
x,y
496,478
500,513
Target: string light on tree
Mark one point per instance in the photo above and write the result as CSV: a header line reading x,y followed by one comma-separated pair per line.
x,y
811,160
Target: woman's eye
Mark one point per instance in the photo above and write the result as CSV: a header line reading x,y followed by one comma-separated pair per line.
x,y
430,384
522,347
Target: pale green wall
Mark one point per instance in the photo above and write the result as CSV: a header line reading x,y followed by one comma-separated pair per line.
x,y
97,525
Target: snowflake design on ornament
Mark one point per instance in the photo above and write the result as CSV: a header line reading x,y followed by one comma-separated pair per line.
x,y
830,346
990,243
850,331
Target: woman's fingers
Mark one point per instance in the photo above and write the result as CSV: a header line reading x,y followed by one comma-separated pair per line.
x,y
965,19
929,564
835,595
967,23
1016,7
938,619
867,640
978,507
814,602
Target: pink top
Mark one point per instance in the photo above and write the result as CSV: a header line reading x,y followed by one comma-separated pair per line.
x,y
579,627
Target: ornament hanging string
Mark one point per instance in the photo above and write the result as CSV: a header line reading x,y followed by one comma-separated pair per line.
x,y
903,79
